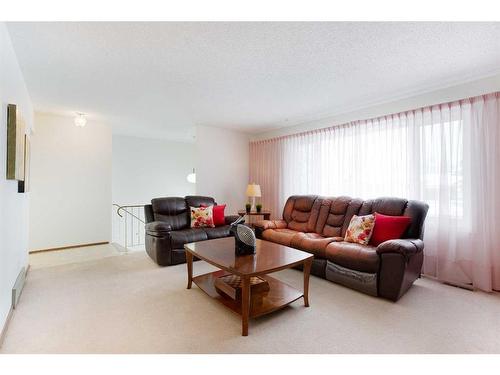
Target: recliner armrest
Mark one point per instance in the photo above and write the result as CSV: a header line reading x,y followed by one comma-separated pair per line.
x,y
405,247
231,219
271,224
158,227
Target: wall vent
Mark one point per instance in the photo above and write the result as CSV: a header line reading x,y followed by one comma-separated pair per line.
x,y
18,287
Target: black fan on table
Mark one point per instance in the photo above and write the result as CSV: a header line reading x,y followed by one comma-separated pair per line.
x,y
244,238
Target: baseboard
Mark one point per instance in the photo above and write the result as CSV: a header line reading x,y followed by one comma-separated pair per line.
x,y
450,283
461,286
68,247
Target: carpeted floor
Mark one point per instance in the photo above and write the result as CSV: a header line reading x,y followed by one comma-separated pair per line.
x,y
127,304
74,255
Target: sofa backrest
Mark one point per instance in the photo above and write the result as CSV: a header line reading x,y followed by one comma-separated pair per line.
x,y
198,200
301,212
417,211
171,210
384,206
330,216
338,216
399,207
175,210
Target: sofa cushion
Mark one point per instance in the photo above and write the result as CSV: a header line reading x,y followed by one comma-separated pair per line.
x,y
270,224
358,257
202,217
281,236
384,206
360,229
335,216
352,209
313,243
171,210
301,212
323,212
388,228
217,232
199,200
218,212
183,236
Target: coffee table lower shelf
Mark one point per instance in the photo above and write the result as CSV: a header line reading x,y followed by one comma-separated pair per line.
x,y
278,296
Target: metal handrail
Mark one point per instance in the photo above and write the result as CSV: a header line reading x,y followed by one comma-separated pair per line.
x,y
130,215
124,208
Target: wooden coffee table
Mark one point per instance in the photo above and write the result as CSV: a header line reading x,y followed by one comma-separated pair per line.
x,y
251,270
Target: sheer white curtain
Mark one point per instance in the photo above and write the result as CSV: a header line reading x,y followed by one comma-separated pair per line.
x,y
447,155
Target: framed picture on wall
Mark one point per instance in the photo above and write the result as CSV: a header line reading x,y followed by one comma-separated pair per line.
x,y
24,186
15,144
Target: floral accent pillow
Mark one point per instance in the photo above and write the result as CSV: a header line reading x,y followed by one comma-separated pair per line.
x,y
202,217
360,229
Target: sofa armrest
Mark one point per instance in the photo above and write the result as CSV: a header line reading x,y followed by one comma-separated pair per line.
x,y
231,219
158,227
271,224
405,247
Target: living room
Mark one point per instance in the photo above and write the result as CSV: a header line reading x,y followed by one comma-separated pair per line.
x,y
188,186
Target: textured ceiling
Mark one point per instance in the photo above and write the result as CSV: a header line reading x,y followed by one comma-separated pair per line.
x,y
161,79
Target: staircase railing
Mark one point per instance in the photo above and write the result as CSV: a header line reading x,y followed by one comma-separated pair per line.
x,y
128,226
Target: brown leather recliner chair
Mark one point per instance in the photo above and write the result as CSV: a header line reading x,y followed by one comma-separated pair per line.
x,y
318,225
168,228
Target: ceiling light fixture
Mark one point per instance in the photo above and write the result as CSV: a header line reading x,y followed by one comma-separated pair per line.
x,y
80,120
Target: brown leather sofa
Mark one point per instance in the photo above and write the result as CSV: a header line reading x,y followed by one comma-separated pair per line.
x,y
168,228
318,224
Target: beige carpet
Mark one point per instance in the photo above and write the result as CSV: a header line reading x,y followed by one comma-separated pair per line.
x,y
44,259
127,304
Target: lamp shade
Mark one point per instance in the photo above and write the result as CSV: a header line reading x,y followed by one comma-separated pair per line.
x,y
253,190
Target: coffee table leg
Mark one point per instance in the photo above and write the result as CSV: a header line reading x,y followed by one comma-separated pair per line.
x,y
245,305
307,272
189,262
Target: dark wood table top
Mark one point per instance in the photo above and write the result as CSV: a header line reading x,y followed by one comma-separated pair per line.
x,y
269,256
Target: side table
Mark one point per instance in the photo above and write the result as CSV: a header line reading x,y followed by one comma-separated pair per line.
x,y
264,213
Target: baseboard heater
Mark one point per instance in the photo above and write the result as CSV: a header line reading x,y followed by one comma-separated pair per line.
x,y
18,287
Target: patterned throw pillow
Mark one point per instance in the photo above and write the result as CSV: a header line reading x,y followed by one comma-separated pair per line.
x,y
218,214
202,217
360,229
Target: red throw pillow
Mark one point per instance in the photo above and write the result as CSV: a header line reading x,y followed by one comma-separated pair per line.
x,y
388,228
218,213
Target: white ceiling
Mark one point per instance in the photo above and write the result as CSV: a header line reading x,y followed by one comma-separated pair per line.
x,y
161,79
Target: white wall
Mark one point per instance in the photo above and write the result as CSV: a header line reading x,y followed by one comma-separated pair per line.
x,y
70,183
144,169
222,166
444,95
148,168
13,206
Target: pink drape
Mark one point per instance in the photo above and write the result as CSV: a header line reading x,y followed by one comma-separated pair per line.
x,y
447,155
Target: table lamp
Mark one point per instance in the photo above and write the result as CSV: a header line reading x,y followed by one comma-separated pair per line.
x,y
253,190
